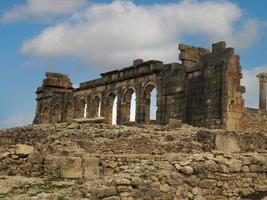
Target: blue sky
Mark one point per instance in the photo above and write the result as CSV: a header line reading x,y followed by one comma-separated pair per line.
x,y
84,38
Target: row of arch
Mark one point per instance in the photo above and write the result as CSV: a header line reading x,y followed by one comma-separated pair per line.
x,y
130,107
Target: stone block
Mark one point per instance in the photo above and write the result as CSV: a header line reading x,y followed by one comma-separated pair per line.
x,y
261,188
122,181
106,192
71,167
90,120
4,155
235,165
227,143
207,183
219,46
187,170
23,150
91,168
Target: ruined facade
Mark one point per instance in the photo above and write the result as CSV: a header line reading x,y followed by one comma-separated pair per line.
x,y
203,90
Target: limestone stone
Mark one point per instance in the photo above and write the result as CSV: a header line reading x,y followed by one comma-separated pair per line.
x,y
261,188
23,150
226,143
91,168
112,164
71,167
187,170
195,191
15,157
112,198
177,166
123,181
108,171
247,191
127,198
245,169
4,155
199,197
198,157
192,180
235,165
184,163
164,188
136,181
123,188
125,195
106,192
207,183
90,120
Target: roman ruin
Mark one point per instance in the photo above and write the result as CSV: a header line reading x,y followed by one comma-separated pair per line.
x,y
73,152
203,90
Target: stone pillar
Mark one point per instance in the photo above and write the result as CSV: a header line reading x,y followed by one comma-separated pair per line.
x,y
138,114
262,101
119,107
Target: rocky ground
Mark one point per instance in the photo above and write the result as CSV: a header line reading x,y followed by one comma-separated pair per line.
x,y
99,161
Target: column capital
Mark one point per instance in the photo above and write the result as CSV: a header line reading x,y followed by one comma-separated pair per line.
x,y
262,76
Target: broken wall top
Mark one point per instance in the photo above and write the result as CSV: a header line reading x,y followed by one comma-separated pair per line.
x,y
57,80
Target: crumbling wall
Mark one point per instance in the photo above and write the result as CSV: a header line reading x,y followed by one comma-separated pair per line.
x,y
29,135
254,120
120,162
173,176
213,94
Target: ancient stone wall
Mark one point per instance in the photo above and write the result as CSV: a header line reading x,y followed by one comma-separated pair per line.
x,y
254,120
204,90
208,164
27,135
206,176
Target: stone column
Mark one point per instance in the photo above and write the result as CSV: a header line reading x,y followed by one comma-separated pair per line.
x,y
119,107
262,101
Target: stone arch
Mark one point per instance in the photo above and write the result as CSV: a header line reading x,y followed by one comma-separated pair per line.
x,y
146,95
126,104
69,111
109,102
82,108
56,114
45,115
95,107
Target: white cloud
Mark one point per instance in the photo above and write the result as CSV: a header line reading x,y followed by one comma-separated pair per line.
x,y
251,82
112,34
18,120
42,10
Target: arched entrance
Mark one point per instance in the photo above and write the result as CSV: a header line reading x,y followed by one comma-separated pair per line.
x,y
111,108
150,104
128,105
45,115
82,109
69,112
56,114
95,107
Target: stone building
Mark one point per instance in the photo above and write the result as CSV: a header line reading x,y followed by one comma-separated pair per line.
x,y
203,90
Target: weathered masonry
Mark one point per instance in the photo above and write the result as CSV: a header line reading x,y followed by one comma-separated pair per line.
x,y
204,90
